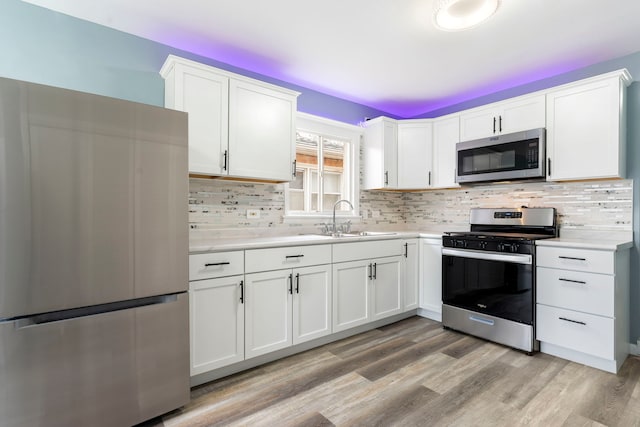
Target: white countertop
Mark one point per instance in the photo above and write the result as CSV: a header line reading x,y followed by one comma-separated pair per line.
x,y
591,239
232,244
600,240
588,243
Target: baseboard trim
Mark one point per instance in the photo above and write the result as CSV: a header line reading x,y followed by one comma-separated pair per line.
x,y
634,349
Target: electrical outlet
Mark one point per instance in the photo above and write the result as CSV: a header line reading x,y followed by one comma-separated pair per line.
x,y
253,213
363,213
375,214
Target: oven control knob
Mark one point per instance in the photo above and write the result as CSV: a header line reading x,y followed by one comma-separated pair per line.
x,y
508,247
483,245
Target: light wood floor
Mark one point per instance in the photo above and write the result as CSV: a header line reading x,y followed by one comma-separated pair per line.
x,y
414,373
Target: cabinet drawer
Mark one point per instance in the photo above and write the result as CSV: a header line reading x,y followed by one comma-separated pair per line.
x,y
365,250
586,333
589,260
576,290
286,257
209,266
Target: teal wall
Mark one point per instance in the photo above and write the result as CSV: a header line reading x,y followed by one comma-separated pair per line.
x,y
46,47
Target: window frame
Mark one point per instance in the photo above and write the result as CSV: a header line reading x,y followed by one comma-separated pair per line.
x,y
338,130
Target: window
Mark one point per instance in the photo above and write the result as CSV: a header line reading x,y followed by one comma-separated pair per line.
x,y
326,168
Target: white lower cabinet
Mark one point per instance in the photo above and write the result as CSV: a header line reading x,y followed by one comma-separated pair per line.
x,y
411,274
367,282
216,310
366,290
431,278
216,317
351,294
582,310
311,303
386,285
268,312
248,303
286,306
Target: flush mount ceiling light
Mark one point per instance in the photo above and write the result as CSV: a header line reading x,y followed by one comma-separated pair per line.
x,y
456,15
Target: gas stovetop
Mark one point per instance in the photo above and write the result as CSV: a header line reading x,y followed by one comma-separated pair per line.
x,y
497,235
505,230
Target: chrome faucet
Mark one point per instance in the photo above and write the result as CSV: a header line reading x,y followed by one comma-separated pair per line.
x,y
335,229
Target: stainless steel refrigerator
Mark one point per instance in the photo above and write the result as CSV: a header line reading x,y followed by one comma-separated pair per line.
x,y
93,259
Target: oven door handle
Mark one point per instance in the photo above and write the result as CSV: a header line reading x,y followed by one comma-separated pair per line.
x,y
489,256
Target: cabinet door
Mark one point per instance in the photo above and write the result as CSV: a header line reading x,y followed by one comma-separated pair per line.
x,y
478,123
516,115
380,154
216,318
522,114
410,274
267,312
350,294
431,275
415,158
205,96
584,135
261,132
446,134
311,303
386,287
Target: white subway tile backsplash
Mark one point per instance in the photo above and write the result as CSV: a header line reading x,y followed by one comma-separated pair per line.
x,y
217,208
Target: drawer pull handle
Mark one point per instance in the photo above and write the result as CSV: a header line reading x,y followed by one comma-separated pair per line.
x,y
489,322
294,256
573,321
215,264
573,258
580,282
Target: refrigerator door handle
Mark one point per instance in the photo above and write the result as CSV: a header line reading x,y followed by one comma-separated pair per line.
x,y
58,316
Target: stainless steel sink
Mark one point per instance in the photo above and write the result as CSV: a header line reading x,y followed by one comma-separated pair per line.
x,y
366,234
357,234
373,233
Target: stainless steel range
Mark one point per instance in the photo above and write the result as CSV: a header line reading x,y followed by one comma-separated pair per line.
x,y
488,274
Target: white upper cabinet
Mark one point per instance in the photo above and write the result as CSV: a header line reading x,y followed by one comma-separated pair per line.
x,y
586,129
415,154
398,154
380,154
517,114
238,127
446,134
261,131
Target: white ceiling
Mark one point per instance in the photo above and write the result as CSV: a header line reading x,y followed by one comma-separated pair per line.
x,y
382,53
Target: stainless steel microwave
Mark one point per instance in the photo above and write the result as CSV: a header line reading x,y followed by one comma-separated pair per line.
x,y
519,155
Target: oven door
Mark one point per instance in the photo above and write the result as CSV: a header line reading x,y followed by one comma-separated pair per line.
x,y
496,284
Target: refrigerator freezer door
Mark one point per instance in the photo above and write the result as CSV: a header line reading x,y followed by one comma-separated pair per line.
x,y
93,200
116,368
